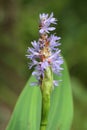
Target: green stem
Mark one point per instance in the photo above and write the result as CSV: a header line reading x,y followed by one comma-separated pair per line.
x,y
45,109
42,127
46,89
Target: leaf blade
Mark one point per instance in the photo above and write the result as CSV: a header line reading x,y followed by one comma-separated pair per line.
x,y
27,112
61,110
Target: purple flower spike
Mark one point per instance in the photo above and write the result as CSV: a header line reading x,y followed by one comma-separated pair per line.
x,y
45,52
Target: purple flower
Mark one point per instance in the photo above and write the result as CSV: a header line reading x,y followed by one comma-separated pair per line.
x,y
45,22
33,53
45,52
54,41
55,82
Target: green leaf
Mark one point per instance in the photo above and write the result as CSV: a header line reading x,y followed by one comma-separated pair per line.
x,y
27,112
61,110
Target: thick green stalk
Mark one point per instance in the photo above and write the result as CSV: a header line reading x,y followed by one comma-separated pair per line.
x,y
46,89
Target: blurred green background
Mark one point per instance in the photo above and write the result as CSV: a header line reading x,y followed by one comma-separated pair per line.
x,y
18,26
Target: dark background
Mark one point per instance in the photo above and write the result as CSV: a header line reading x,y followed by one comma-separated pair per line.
x,y
18,26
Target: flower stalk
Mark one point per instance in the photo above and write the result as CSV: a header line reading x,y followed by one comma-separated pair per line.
x,y
46,90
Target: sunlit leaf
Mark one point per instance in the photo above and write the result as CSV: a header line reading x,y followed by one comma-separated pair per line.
x,y
61,111
27,112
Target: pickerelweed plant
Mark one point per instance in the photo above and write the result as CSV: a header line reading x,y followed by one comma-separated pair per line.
x,y
45,107
46,59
